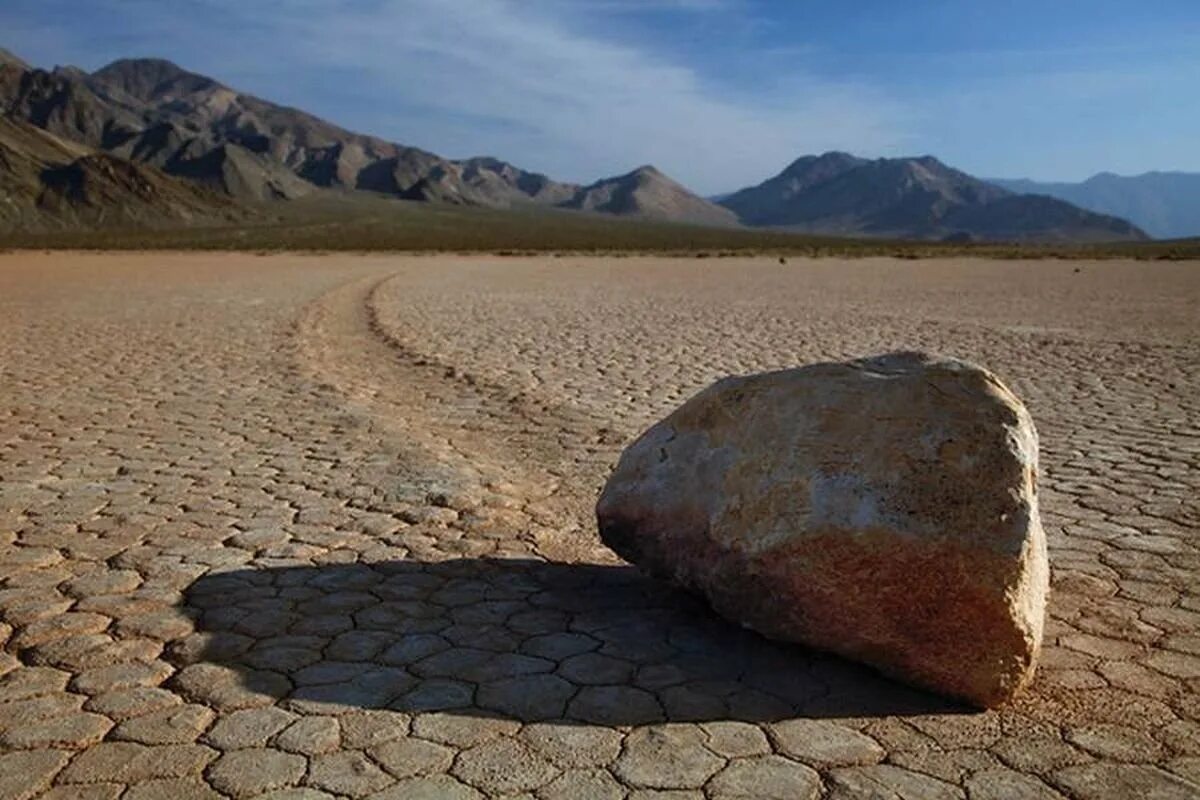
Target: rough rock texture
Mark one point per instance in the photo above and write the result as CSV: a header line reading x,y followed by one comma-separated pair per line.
x,y
884,509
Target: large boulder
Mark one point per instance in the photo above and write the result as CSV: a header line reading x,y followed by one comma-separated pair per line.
x,y
884,509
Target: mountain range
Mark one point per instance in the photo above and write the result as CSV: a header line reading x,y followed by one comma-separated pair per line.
x,y
145,142
1164,204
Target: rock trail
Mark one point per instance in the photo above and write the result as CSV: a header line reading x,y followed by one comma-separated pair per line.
x,y
307,527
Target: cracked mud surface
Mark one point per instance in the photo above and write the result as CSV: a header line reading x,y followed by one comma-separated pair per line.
x,y
311,527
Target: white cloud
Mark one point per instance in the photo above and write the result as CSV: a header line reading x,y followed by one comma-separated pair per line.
x,y
546,84
523,82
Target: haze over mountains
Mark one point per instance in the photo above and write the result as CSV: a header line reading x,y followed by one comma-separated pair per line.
x,y
1164,204
142,141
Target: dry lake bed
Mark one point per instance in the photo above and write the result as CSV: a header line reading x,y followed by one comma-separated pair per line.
x,y
321,526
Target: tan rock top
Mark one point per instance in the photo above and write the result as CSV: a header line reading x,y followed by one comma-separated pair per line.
x,y
883,508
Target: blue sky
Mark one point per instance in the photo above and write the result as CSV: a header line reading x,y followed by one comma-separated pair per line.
x,y
718,93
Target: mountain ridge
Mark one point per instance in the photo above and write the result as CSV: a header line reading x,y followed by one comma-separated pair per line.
x,y
152,111
49,183
647,192
159,116
921,197
1166,203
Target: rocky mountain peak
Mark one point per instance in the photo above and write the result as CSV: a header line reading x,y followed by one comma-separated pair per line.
x,y
647,172
919,197
8,58
152,79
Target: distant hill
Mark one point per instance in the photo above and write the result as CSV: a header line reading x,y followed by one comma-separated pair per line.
x,y
648,194
1164,204
840,194
153,113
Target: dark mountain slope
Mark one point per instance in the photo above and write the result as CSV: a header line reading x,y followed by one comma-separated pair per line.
x,y
1019,217
50,183
761,204
62,104
1164,204
840,194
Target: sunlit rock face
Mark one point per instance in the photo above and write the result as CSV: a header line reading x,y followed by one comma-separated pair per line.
x,y
884,509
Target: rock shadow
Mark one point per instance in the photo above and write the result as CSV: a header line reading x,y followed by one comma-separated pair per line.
x,y
518,639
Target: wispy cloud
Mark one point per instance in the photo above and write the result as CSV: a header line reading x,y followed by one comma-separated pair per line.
x,y
526,81
589,105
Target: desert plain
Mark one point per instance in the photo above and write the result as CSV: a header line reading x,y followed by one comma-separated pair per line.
x,y
314,526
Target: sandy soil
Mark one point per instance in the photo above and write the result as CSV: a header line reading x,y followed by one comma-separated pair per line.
x,y
325,522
